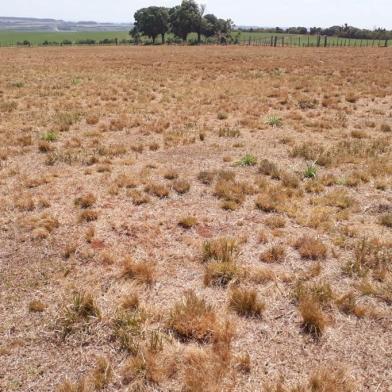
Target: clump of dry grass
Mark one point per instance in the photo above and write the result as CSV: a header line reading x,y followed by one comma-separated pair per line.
x,y
271,200
170,174
311,248
156,189
138,197
314,321
275,254
275,222
141,271
222,249
85,201
102,374
320,292
232,191
339,198
269,168
331,380
36,306
245,302
244,364
347,303
193,319
386,220
370,256
88,215
324,379
187,222
142,371
384,127
130,302
220,273
181,186
206,177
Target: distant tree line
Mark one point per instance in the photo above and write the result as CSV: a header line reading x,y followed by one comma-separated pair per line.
x,y
344,31
181,20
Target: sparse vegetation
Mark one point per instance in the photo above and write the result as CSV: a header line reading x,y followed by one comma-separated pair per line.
x,y
152,198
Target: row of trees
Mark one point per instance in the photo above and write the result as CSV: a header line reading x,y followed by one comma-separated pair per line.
x,y
344,31
181,20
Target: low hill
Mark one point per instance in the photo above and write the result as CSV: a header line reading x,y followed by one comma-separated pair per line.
x,y
52,25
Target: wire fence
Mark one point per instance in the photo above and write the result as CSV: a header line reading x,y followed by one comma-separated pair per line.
x,y
272,41
316,41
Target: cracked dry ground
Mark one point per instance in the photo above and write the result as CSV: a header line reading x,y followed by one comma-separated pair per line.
x,y
195,219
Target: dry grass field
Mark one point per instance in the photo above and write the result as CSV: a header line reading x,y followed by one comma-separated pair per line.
x,y
195,219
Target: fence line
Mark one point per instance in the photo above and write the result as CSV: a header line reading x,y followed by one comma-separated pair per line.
x,y
318,41
272,41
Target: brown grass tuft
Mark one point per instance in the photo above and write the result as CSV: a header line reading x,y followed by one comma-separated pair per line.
x,y
245,303
85,201
311,248
141,271
193,319
314,321
275,254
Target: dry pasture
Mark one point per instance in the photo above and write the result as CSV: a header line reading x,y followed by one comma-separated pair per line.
x,y
195,219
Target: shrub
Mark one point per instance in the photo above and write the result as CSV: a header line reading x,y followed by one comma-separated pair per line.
x,y
245,303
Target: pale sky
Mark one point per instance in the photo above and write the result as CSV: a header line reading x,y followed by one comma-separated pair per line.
x,y
324,13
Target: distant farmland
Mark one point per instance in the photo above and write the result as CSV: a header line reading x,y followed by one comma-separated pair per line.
x,y
11,38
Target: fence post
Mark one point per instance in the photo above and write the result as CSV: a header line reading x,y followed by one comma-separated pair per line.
x,y
325,41
282,42
386,43
275,41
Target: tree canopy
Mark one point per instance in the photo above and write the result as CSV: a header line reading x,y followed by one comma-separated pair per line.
x,y
152,21
181,20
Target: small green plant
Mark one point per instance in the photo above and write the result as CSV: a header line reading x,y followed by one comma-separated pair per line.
x,y
311,170
49,136
247,160
274,121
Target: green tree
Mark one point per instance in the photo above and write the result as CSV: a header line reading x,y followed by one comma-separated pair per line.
x,y
212,26
152,22
186,18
